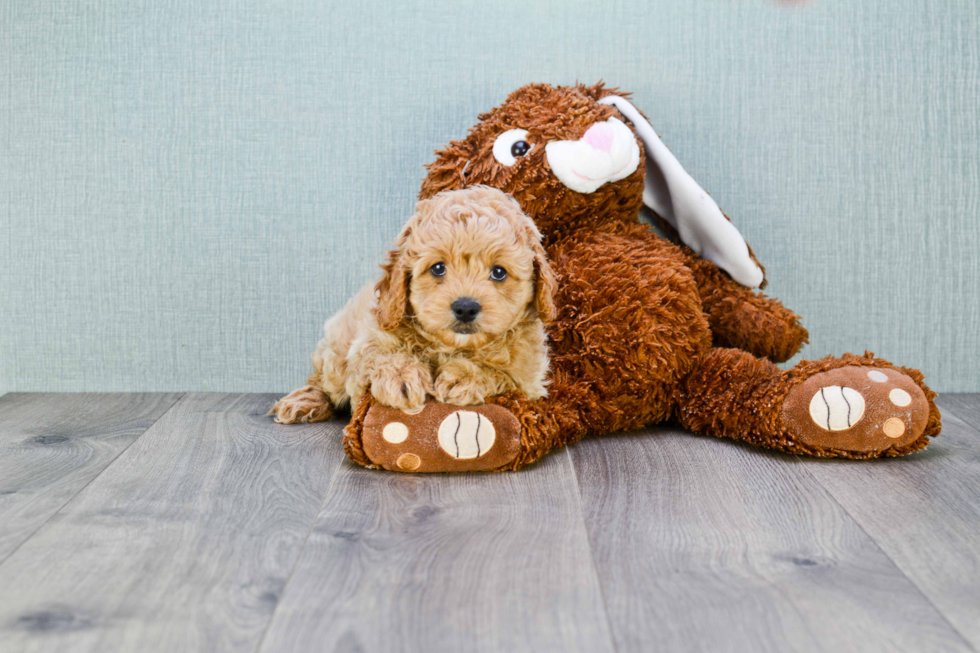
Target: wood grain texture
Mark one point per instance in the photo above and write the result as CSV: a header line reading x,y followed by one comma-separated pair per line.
x,y
184,544
707,545
217,530
476,562
52,446
924,511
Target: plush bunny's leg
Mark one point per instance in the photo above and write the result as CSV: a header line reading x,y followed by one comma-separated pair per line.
x,y
848,407
440,438
744,319
506,433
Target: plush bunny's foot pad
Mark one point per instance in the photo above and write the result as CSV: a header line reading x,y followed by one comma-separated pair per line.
x,y
855,408
441,438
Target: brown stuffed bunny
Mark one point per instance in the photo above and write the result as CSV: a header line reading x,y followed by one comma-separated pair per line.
x,y
645,330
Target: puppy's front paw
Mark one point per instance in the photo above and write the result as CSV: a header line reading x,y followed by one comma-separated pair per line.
x,y
462,387
402,386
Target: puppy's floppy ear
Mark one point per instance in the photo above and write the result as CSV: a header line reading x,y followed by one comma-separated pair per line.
x,y
545,285
674,195
392,290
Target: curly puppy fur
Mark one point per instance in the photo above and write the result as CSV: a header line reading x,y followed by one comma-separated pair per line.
x,y
401,337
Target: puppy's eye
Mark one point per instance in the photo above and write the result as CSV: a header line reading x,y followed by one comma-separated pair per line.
x,y
510,145
498,273
438,270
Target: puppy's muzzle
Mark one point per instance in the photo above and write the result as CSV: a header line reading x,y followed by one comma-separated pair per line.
x,y
465,309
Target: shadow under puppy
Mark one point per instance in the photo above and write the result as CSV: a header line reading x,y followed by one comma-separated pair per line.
x,y
459,315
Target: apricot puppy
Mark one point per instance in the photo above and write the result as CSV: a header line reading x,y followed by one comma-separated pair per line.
x,y
459,314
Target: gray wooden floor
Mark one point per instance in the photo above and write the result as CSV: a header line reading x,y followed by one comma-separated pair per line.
x,y
193,523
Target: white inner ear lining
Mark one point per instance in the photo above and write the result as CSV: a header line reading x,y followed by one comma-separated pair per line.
x,y
677,198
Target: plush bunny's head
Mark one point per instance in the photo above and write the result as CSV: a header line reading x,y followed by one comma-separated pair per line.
x,y
576,155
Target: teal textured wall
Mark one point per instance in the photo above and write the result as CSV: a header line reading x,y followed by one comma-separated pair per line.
x,y
188,189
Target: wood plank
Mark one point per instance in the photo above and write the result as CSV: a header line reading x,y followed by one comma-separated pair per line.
x,y
924,511
706,545
183,544
53,445
474,562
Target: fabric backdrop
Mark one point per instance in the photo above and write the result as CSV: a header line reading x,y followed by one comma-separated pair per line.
x,y
188,189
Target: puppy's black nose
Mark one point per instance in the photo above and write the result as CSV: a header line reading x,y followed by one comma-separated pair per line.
x,y
466,309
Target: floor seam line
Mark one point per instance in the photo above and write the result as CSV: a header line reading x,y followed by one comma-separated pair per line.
x,y
878,546
588,542
299,554
180,396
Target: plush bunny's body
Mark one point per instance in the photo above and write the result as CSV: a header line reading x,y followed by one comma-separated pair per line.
x,y
646,329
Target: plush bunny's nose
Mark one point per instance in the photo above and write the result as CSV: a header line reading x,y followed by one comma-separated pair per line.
x,y
600,136
466,309
607,151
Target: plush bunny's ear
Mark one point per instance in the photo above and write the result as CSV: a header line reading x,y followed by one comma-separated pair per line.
x,y
678,199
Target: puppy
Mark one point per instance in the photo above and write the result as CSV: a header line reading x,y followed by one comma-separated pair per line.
x,y
458,315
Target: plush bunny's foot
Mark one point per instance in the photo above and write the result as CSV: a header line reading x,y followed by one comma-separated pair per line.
x,y
441,438
858,409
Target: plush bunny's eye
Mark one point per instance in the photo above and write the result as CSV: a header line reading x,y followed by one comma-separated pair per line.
x,y
510,145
